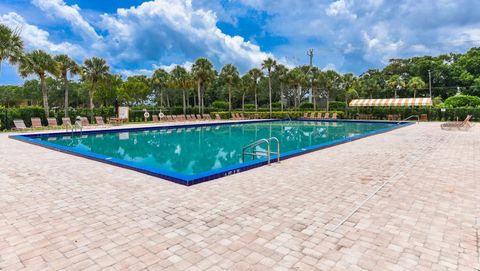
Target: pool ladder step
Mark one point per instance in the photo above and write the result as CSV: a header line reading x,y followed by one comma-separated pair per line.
x,y
250,149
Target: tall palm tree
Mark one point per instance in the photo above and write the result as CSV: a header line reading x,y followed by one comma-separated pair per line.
x,y
94,70
297,78
181,81
255,74
396,82
281,72
246,85
39,63
159,81
269,64
11,45
230,76
203,72
330,81
65,66
416,83
313,75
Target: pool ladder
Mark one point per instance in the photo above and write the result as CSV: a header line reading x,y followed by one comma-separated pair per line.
x,y
250,149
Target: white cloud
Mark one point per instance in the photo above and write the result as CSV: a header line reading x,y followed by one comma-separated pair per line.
x,y
71,14
36,38
187,65
172,31
338,8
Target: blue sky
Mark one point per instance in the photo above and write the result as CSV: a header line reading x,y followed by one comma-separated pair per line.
x,y
139,36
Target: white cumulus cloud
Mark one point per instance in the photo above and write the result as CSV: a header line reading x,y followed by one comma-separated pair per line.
x,y
36,38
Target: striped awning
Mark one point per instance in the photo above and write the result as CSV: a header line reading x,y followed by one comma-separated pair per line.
x,y
392,102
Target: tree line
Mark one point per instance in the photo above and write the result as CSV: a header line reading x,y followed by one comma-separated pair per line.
x,y
271,84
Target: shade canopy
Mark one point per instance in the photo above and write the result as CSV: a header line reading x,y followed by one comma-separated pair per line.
x,y
392,102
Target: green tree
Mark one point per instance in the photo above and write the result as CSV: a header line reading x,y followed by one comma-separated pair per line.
x,y
39,63
181,81
159,81
396,83
269,64
94,70
65,66
108,88
135,90
11,45
203,73
297,78
255,74
281,73
416,83
230,76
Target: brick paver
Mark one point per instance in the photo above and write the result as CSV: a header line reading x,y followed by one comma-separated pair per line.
x,y
58,211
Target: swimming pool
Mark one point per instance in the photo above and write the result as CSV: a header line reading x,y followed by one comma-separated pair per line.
x,y
190,154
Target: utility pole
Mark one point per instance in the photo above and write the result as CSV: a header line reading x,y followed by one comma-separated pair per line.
x,y
430,83
310,54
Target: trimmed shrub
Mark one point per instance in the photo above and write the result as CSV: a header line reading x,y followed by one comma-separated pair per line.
x,y
462,101
306,106
336,105
221,105
249,107
275,114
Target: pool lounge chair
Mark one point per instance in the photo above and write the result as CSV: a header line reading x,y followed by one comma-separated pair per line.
x,y
36,123
319,115
84,121
327,116
66,122
334,116
19,125
243,116
99,120
217,117
311,116
459,125
305,115
52,122
206,117
154,118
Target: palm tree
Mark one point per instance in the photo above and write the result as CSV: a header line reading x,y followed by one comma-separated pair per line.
x,y
297,78
181,81
330,80
396,83
246,84
94,70
159,81
281,71
416,83
313,76
255,74
39,63
203,72
65,66
230,76
269,64
11,45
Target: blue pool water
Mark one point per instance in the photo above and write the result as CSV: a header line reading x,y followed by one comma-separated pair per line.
x,y
195,153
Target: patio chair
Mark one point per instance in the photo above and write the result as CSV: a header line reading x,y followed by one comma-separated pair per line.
x,y
423,117
19,125
334,116
319,115
327,116
243,116
36,123
305,115
193,116
206,117
217,117
99,121
66,122
311,116
52,122
84,121
459,125
154,118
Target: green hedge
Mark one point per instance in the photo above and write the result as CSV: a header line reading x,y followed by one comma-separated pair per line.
x,y
434,114
462,101
336,105
275,114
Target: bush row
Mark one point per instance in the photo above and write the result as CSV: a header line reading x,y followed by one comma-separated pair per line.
x,y
275,114
434,114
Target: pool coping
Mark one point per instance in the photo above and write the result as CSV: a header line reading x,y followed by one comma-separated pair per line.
x,y
189,180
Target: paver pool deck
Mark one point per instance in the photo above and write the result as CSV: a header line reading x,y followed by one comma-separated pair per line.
x,y
59,211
